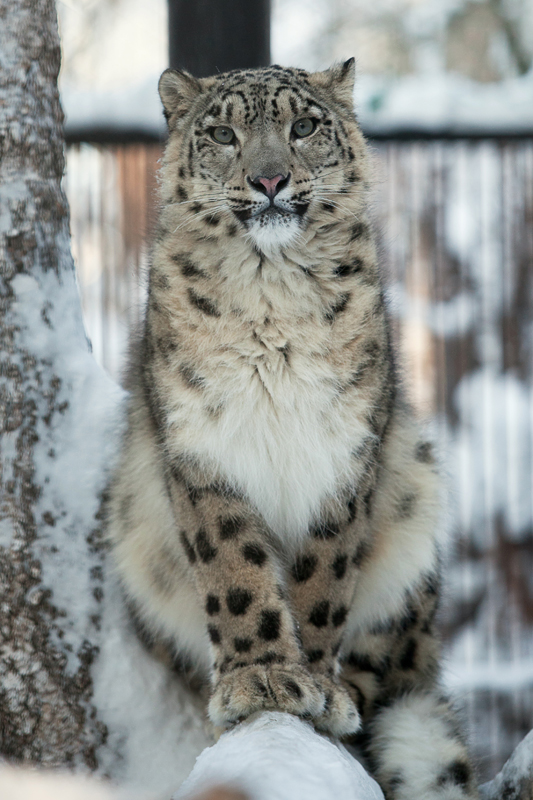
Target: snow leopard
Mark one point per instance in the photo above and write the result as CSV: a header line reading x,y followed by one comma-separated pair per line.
x,y
275,511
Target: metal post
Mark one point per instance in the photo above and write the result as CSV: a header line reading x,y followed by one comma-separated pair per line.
x,y
210,36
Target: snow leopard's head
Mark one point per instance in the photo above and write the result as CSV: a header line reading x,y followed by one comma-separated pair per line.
x,y
274,150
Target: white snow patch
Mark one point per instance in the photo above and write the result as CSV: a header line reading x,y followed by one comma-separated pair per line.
x,y
453,317
38,784
297,26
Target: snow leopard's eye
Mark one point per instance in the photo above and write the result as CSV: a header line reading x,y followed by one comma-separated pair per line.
x,y
304,127
222,134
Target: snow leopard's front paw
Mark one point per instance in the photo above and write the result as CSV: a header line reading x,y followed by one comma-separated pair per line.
x,y
340,716
256,688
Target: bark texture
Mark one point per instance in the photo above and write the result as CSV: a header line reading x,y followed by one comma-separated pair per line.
x,y
45,708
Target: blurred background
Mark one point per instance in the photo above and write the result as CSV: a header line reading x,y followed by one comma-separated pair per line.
x,y
445,96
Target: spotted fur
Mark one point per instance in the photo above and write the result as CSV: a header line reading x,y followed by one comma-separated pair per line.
x,y
275,510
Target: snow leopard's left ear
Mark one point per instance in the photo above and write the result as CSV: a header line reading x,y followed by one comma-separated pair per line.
x,y
177,90
339,80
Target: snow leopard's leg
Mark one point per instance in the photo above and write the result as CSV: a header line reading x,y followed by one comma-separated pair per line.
x,y
258,663
322,578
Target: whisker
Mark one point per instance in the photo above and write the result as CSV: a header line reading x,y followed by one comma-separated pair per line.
x,y
200,199
200,215
328,199
333,172
338,205
336,188
344,190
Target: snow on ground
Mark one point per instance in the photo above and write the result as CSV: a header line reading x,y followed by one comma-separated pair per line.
x,y
275,755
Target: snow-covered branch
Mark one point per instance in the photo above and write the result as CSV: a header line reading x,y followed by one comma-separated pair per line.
x,y
515,781
275,756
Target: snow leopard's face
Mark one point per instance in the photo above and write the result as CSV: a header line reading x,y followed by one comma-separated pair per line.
x,y
276,149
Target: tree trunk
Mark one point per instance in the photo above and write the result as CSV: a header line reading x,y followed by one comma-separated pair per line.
x,y
46,707
74,682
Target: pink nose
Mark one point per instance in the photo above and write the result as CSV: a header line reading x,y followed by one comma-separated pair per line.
x,y
271,185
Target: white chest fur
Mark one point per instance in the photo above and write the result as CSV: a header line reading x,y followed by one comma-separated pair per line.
x,y
283,437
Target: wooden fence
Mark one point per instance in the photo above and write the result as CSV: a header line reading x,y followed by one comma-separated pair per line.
x,y
455,229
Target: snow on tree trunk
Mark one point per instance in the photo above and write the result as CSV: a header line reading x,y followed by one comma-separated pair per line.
x,y
76,688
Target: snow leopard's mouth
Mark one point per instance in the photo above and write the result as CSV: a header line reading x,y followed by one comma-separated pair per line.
x,y
272,214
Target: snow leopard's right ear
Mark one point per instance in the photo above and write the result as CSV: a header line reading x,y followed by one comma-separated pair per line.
x,y
177,90
339,81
